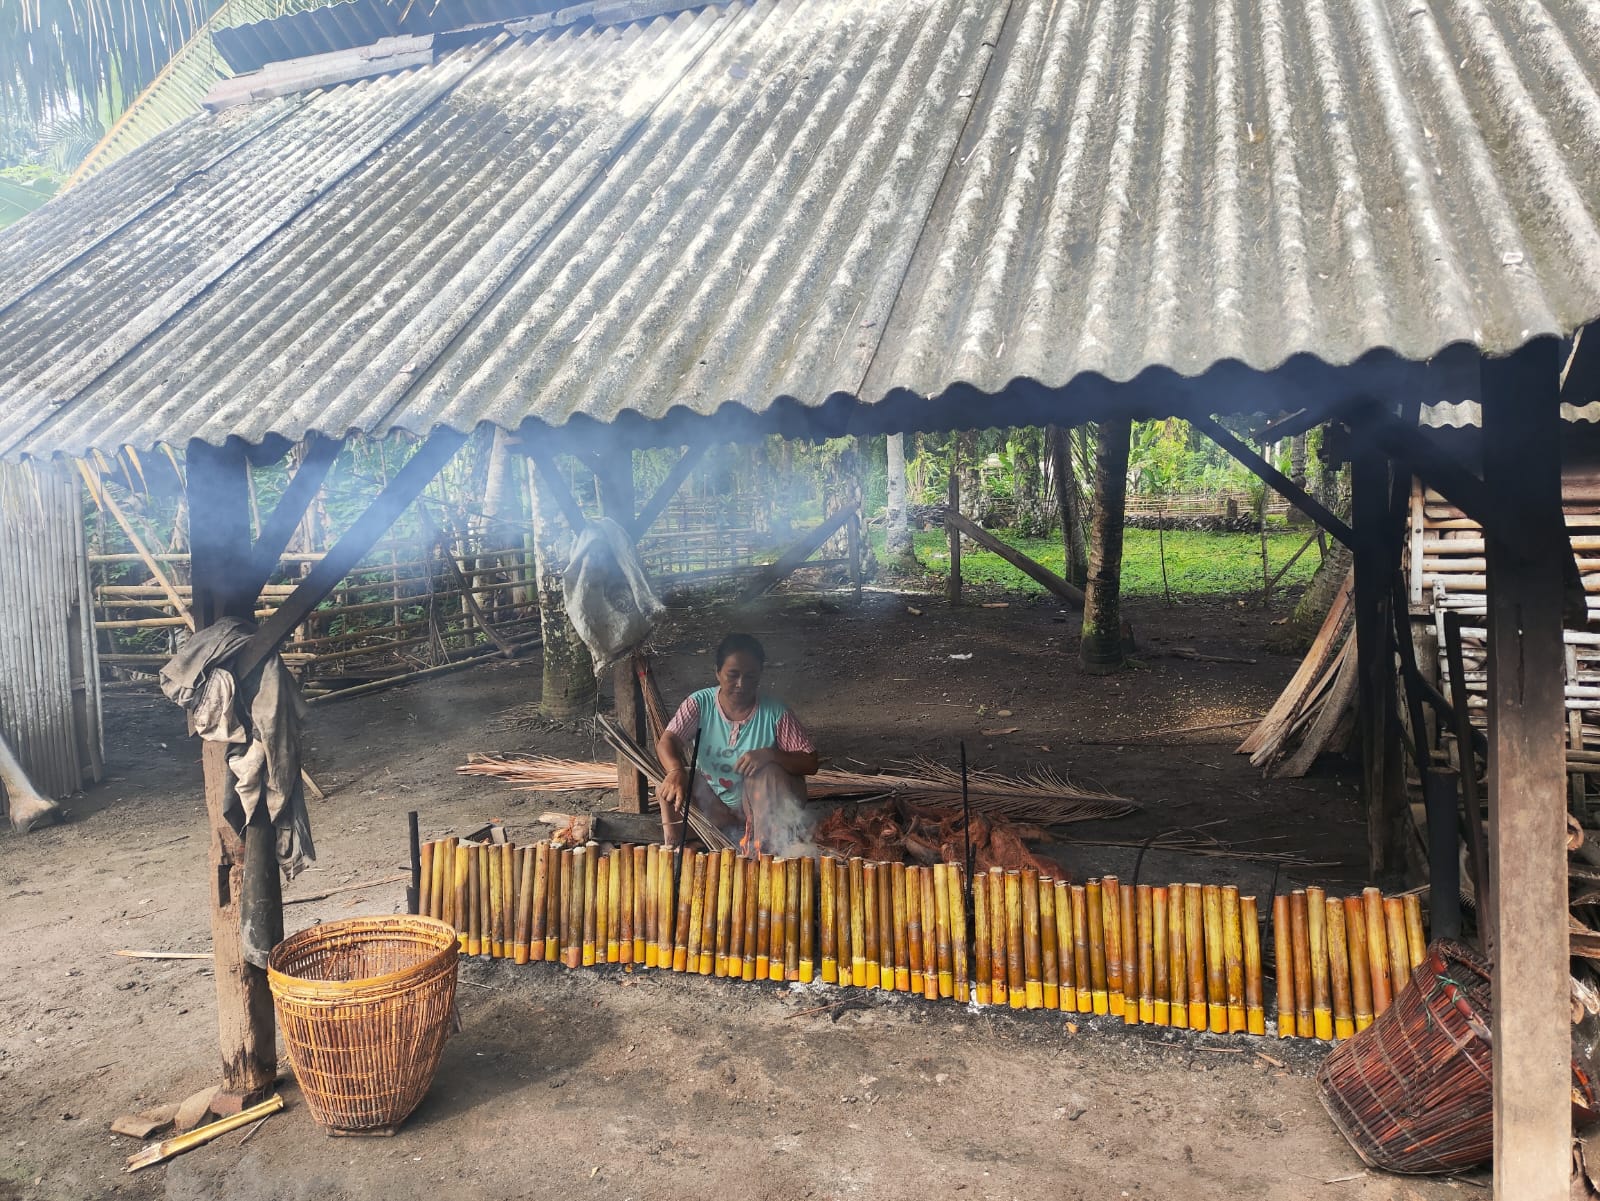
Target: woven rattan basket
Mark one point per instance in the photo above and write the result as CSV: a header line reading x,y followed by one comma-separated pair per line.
x,y
364,1005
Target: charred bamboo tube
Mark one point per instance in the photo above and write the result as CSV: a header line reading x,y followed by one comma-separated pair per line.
x,y
591,905
652,907
491,861
1128,907
1032,950
462,904
509,859
843,922
902,935
808,948
539,919
1178,966
930,935
1145,901
1255,1013
1097,948
519,856
1377,949
942,901
602,906
524,881
1083,984
1300,941
914,929
826,919
1111,923
724,911
752,918
570,932
474,910
1233,957
736,907
871,931
641,904
1338,967
1394,920
1064,964
791,920
998,974
887,963
958,936
618,923
1016,956
552,905
763,917
1283,965
691,914
1049,964
427,877
1160,958
533,883
708,914
858,922
1416,940
1216,968
453,880
778,919
1355,933
666,915
1317,936
436,877
1194,936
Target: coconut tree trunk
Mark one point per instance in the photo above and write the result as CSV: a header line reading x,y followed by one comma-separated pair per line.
x,y
1101,648
1064,475
26,807
897,535
569,684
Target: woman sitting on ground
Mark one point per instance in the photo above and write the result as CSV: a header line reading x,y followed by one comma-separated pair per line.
x,y
754,755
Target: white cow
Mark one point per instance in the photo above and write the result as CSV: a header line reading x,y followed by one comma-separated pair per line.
x,y
28,808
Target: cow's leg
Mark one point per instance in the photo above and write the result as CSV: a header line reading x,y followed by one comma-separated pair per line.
x,y
28,808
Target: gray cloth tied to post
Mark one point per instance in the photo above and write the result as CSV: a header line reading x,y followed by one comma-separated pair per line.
x,y
261,724
609,598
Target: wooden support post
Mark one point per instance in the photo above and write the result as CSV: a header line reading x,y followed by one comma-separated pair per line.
x,y
1527,784
965,525
1383,781
798,553
219,535
292,505
615,476
1282,484
953,535
663,495
853,529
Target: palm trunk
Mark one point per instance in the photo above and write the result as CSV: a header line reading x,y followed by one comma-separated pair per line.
x,y
1064,475
1101,648
569,684
897,532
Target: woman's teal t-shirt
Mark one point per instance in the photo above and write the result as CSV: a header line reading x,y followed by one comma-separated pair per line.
x,y
723,742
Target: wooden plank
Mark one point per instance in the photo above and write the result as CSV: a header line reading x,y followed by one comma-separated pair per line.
x,y
292,505
955,521
1285,487
798,553
1310,670
1527,810
1375,561
657,504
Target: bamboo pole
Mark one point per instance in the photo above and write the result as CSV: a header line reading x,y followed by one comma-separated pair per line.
x,y
1255,1014
1416,941
461,907
1097,947
1216,970
641,905
1128,911
1233,958
1082,984
474,909
870,915
1355,928
525,878
666,911
1050,963
826,919
791,920
1160,954
1283,965
1300,941
958,936
807,928
1016,971
538,912
427,873
942,901
591,908
652,907
1065,965
572,906
930,935
1032,950
845,947
602,906
619,914
858,922
708,915
1377,949
902,941
1194,935
887,964
737,904
1317,931
1178,968
1111,925
777,922
1394,915
917,965
494,889
997,937
552,934
509,860
1338,967
764,917
724,939
1145,924
455,871
752,919
691,913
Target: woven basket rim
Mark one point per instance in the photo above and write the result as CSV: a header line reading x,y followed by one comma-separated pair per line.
x,y
278,979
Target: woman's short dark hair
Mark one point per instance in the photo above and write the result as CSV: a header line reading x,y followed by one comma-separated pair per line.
x,y
735,644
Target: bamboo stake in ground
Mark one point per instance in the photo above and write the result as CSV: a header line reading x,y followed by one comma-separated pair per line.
x,y
1394,920
791,920
461,908
693,910
1255,1014
1355,932
1377,949
958,936
725,859
474,910
778,918
664,912
1097,947
1300,941
683,923
455,873
1194,936
572,906
914,930
708,916
1178,966
858,922
752,918
737,906
1317,932
844,932
1338,967
426,875
539,914
1032,951
1082,985
1128,911
591,912
641,905
942,901
1160,958
1016,955
1065,937
902,939
1216,970
826,920
1416,941
1050,965
602,914
930,935
652,907
808,948
1111,923
524,879
1233,958
436,883
1283,965
998,972
509,859
622,905
490,867
888,965
763,917
871,914
1144,900
552,932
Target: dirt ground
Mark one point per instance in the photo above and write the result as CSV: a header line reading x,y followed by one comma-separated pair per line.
x,y
606,1084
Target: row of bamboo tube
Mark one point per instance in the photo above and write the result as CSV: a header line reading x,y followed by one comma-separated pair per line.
x,y
1181,955
1342,961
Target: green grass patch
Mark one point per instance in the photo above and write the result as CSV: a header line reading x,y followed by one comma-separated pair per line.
x,y
1198,563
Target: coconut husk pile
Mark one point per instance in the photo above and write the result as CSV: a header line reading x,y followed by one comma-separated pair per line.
x,y
919,834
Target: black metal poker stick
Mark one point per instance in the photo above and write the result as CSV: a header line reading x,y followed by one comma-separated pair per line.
x,y
683,834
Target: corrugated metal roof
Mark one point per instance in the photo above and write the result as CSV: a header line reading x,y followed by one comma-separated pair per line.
x,y
819,214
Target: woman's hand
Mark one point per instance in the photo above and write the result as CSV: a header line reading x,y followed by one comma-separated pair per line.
x,y
673,790
753,761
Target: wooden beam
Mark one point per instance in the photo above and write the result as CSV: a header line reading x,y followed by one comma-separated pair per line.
x,y
1282,484
1580,376
1527,777
219,536
503,644
292,505
103,497
352,546
656,505
965,525
557,487
797,554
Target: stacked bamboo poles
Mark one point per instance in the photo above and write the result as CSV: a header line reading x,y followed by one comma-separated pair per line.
x,y
1183,955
